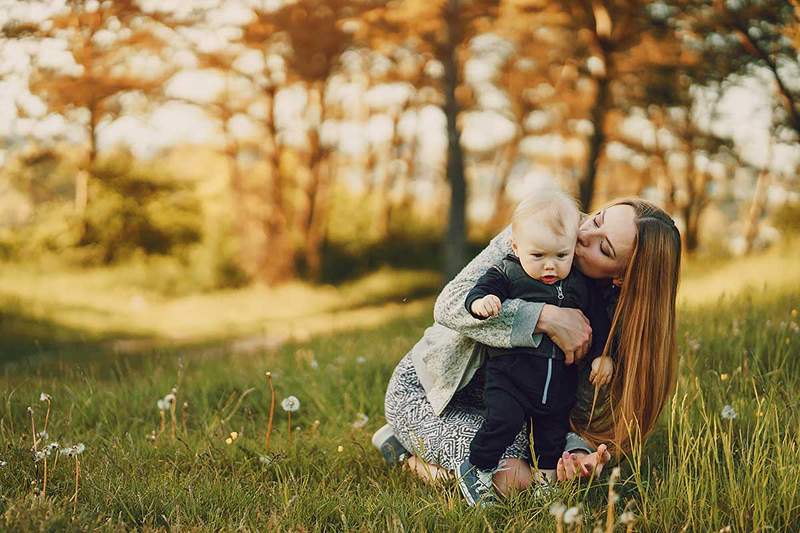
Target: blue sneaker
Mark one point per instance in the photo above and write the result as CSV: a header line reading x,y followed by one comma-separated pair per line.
x,y
476,484
386,442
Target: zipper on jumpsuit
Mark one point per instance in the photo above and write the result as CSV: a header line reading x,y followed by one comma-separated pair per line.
x,y
553,353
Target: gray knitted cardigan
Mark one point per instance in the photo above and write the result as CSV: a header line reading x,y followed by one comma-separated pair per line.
x,y
451,350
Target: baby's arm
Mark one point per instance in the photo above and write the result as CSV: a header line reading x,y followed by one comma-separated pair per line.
x,y
486,297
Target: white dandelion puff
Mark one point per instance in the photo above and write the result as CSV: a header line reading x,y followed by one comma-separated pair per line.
x,y
290,404
3,463
361,421
557,510
573,515
163,405
728,412
44,397
627,518
169,399
53,446
42,435
39,456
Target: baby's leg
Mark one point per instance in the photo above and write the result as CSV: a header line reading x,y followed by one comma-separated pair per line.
x,y
504,415
549,435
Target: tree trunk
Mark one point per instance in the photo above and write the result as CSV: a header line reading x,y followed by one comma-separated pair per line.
x,y
456,235
756,209
596,140
316,191
277,260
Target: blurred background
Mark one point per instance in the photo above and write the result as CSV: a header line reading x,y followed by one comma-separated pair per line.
x,y
200,169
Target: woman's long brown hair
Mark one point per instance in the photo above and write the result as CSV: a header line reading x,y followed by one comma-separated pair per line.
x,y
642,333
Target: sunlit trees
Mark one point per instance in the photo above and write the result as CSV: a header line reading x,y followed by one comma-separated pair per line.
x,y
110,50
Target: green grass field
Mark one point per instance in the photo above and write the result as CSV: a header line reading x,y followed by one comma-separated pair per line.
x,y
739,347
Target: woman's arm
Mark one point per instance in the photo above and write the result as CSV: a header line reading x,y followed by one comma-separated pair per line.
x,y
515,324
519,323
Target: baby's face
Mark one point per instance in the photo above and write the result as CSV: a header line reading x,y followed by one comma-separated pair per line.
x,y
544,256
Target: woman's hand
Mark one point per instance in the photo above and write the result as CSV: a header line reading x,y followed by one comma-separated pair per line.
x,y
568,328
579,464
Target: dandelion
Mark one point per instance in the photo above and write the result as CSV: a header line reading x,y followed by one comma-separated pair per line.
x,y
724,377
3,463
290,405
39,456
627,519
361,359
44,397
340,448
232,438
75,451
612,499
557,510
42,435
728,412
271,410
361,421
313,363
33,427
573,515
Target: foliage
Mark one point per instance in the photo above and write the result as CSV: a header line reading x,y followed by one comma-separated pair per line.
x,y
134,210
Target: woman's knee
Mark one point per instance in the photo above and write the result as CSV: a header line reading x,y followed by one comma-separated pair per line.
x,y
514,475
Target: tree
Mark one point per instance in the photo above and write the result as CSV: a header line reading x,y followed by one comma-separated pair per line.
x,y
101,39
443,28
738,36
614,43
307,38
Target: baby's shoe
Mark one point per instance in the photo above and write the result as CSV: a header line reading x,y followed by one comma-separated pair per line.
x,y
476,484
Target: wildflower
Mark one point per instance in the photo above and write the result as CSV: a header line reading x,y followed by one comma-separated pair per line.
x,y
340,449
233,436
74,451
162,405
151,436
39,456
728,412
229,441
290,404
30,410
361,421
557,510
627,518
169,399
361,359
794,313
44,397
724,377
573,515
313,364
3,463
42,435
52,447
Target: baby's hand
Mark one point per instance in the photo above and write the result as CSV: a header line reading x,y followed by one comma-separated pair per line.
x,y
487,306
602,369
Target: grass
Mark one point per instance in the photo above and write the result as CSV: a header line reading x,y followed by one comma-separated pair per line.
x,y
699,471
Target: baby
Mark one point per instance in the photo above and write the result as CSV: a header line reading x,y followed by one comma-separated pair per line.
x,y
529,384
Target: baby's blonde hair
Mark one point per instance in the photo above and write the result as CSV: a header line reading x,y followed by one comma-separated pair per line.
x,y
552,207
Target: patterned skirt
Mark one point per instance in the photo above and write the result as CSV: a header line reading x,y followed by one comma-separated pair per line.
x,y
440,440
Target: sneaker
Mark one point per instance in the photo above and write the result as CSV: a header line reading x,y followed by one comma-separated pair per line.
x,y
476,484
385,441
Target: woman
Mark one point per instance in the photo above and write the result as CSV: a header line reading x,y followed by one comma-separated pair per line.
x,y
434,398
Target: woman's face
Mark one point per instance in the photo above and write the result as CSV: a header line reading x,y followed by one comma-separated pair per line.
x,y
605,242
